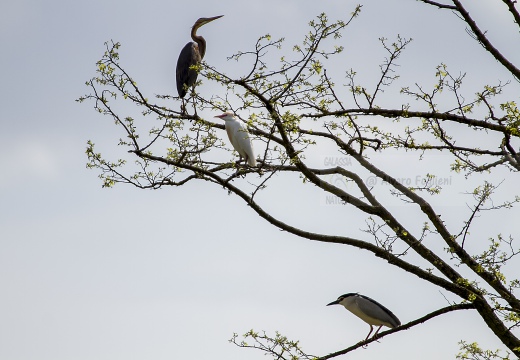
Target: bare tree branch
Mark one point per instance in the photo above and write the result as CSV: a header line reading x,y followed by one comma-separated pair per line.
x,y
439,5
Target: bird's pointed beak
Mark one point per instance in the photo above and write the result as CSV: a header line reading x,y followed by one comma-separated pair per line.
x,y
203,21
208,20
220,116
333,303
214,18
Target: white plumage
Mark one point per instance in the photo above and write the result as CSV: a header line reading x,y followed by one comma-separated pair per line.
x,y
239,137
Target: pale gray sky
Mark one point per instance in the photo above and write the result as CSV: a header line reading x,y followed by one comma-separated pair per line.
x,y
91,273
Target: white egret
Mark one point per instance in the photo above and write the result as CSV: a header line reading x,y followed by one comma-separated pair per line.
x,y
239,137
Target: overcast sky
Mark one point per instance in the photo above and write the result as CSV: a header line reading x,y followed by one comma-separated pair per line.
x,y
92,273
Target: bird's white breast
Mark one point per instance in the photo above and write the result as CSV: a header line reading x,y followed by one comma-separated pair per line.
x,y
352,304
238,135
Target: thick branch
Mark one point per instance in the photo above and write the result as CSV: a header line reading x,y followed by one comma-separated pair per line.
x,y
481,37
497,326
512,9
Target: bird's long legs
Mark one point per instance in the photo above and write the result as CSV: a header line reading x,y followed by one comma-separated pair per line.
x,y
183,107
371,329
193,94
184,110
237,164
368,336
379,328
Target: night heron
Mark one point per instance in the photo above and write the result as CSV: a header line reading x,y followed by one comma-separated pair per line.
x,y
368,310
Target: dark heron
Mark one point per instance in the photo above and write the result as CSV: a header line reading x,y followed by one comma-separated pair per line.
x,y
368,310
191,55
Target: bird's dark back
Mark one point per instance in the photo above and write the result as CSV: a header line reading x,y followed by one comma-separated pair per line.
x,y
185,76
395,321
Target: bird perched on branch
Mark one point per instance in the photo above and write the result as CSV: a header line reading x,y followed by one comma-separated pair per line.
x,y
191,55
239,137
368,310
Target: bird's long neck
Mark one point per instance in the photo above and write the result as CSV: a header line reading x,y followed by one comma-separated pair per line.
x,y
200,42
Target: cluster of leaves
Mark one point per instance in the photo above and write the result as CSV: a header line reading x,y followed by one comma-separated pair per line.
x,y
279,346
472,351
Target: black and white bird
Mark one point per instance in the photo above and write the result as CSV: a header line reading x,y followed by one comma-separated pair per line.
x,y
368,310
239,137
